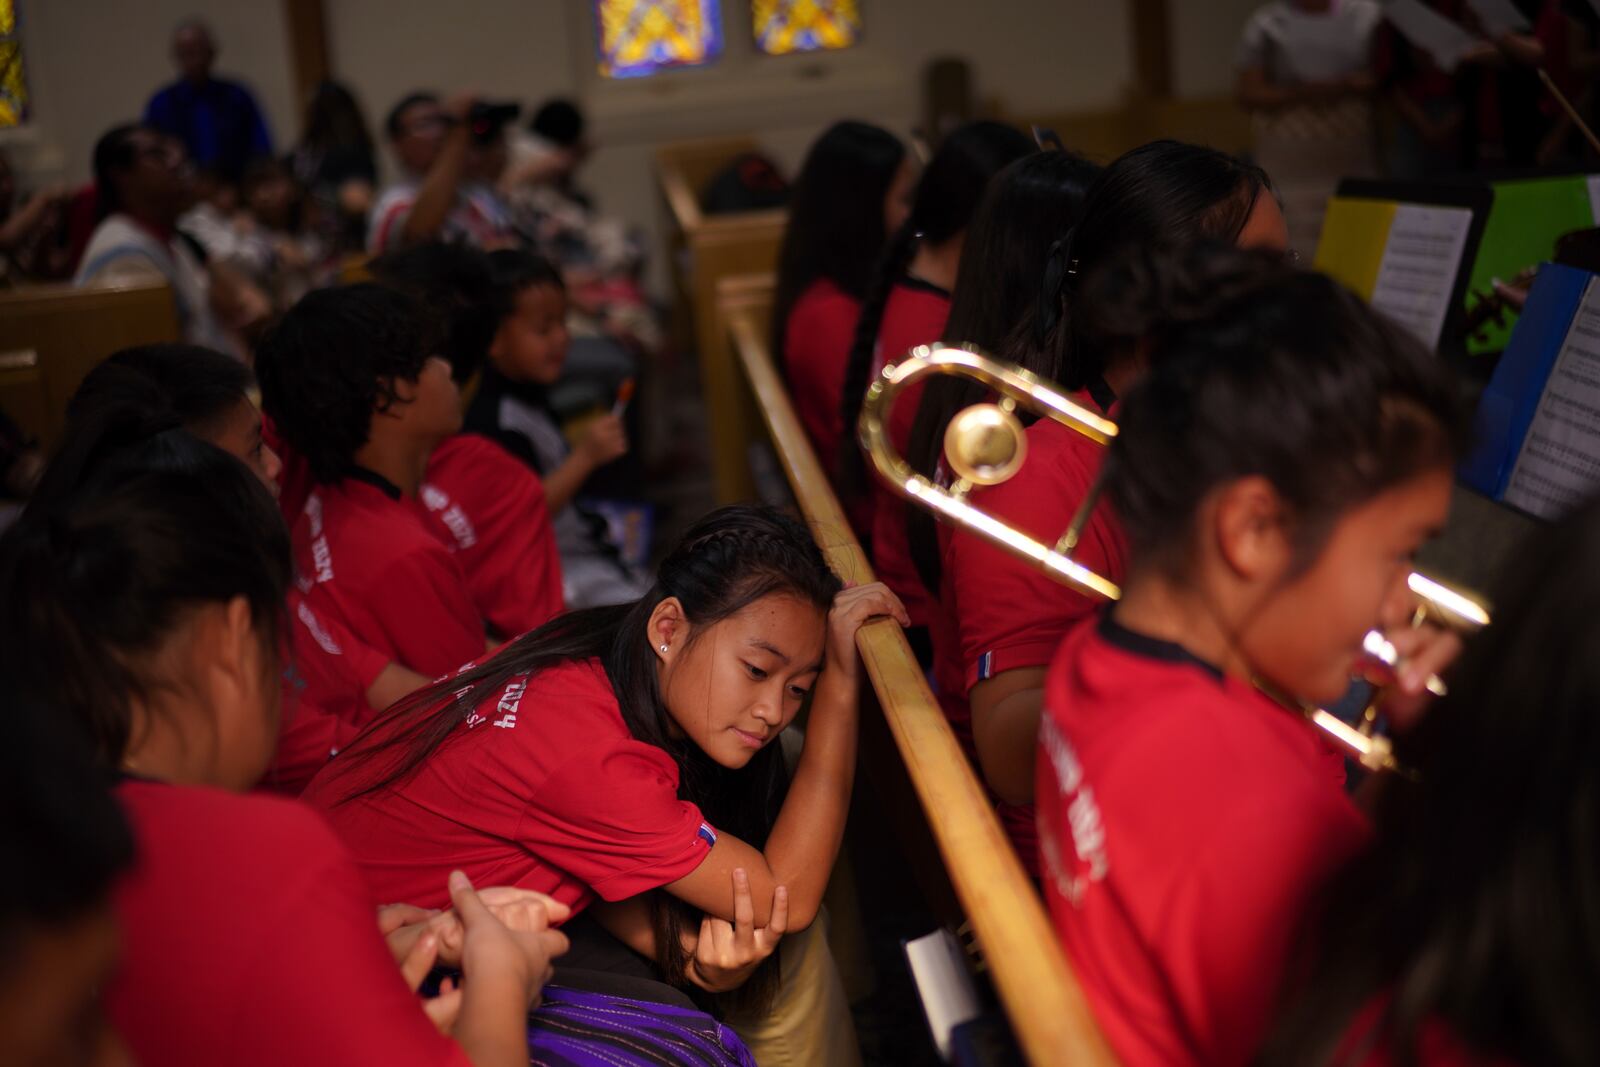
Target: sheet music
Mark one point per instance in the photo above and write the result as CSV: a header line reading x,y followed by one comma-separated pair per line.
x,y
1559,466
1594,190
1430,31
1499,16
1418,271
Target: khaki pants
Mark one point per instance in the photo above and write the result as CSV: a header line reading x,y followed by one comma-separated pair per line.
x,y
809,1024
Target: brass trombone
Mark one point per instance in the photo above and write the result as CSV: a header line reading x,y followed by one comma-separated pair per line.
x,y
985,445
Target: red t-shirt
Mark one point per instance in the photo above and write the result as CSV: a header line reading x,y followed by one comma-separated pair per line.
x,y
1006,614
816,347
1186,825
913,315
368,562
248,938
489,507
542,788
326,675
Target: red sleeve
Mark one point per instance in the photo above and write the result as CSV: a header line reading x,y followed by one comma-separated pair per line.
x,y
294,480
1009,615
512,565
1233,921
424,609
323,985
612,819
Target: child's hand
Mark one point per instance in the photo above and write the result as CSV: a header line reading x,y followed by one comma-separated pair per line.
x,y
603,440
493,952
726,954
853,606
522,910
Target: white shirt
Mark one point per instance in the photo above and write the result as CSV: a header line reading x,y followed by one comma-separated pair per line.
x,y
122,252
1295,46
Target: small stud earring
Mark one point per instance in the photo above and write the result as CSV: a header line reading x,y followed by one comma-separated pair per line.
x,y
663,648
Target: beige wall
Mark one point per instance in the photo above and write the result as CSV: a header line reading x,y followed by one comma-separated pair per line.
x,y
1205,35
94,63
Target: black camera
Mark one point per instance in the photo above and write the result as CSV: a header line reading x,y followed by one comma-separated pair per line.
x,y
486,120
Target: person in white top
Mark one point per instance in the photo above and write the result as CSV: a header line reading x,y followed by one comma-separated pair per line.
x,y
144,183
1305,74
452,155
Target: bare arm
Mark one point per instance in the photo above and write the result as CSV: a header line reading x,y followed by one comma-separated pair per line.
x,y
1005,729
438,193
604,439
805,839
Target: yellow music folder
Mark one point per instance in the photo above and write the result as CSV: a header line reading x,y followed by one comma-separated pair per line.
x,y
1354,235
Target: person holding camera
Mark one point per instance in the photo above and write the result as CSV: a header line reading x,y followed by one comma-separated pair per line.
x,y
452,153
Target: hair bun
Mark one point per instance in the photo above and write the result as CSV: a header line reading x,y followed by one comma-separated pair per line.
x,y
1144,291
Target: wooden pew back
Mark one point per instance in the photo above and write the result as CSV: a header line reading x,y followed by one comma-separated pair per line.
x,y
704,250
1043,1001
51,335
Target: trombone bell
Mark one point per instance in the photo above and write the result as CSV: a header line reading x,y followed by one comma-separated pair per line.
x,y
985,445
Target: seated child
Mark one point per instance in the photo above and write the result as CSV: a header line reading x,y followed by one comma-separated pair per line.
x,y
352,382
511,406
331,681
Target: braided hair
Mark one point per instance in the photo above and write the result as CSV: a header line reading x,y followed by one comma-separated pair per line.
x,y
728,560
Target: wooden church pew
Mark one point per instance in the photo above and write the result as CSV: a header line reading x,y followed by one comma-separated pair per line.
x,y
69,330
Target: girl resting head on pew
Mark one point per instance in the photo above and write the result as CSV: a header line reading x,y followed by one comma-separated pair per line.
x,y
64,844
854,190
906,306
1275,472
146,585
1467,933
330,677
1006,622
626,749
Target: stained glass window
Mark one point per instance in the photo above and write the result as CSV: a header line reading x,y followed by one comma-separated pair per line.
x,y
784,26
13,80
639,37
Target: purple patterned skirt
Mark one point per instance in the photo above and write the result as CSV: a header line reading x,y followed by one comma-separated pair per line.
x,y
579,1028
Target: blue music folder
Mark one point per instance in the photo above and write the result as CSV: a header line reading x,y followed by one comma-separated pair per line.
x,y
1511,400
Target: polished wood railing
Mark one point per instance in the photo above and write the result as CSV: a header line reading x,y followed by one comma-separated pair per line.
x,y
1042,999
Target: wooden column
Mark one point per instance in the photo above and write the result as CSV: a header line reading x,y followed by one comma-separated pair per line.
x,y
308,47
1151,27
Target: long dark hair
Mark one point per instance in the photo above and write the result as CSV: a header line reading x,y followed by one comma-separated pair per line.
x,y
1027,207
725,562
1477,906
133,524
947,195
1285,375
836,227
1165,194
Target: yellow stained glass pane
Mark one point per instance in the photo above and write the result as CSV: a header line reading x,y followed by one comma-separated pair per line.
x,y
13,76
785,26
640,37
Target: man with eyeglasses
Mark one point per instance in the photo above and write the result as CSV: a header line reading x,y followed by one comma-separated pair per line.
x,y
143,182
